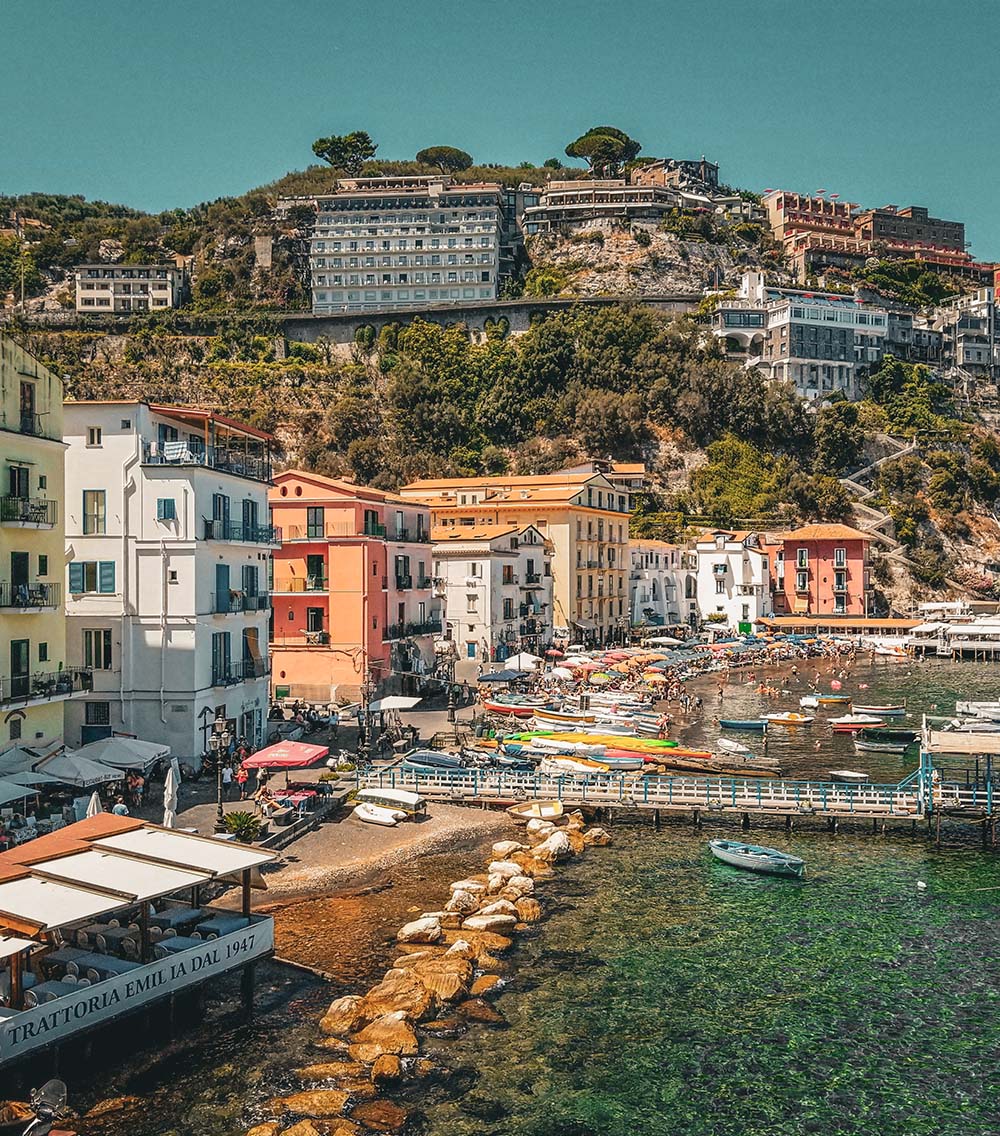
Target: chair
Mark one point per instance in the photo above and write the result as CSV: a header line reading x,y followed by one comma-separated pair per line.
x,y
170,933
130,948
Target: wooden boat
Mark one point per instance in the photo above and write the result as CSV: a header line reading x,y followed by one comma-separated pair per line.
x,y
743,723
559,766
433,761
517,709
851,722
889,734
788,718
848,775
536,810
832,699
564,717
864,746
373,814
757,858
620,761
727,745
892,711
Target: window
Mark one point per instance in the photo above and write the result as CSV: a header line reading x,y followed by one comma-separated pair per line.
x,y
471,603
43,565
92,576
840,581
126,423
221,657
166,509
314,619
840,557
98,714
43,481
801,581
17,481
802,558
97,648
314,521
720,587
43,652
508,608
94,512
15,729
93,435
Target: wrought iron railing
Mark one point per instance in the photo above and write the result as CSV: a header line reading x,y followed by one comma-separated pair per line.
x,y
45,684
28,511
31,594
247,534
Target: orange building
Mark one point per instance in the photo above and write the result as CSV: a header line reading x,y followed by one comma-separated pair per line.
x,y
823,570
352,590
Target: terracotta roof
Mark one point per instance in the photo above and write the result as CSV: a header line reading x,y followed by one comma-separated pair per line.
x,y
470,532
730,534
502,481
827,532
628,467
73,838
349,489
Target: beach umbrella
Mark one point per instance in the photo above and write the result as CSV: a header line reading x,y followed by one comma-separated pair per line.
x,y
561,672
554,653
170,787
600,679
94,806
836,684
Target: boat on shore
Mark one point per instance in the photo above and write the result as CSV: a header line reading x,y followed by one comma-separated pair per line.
x,y
559,766
516,709
433,761
757,858
849,775
564,717
374,814
862,745
536,810
743,723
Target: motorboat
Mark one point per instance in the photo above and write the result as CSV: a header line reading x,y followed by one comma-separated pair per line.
x,y
517,709
536,810
809,702
743,723
727,745
757,858
373,814
559,745
788,718
850,775
394,800
896,654
889,734
851,722
892,711
989,710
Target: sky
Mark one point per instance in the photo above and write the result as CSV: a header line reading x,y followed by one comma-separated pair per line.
x,y
166,104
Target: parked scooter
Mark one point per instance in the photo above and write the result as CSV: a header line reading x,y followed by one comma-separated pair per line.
x,y
49,1105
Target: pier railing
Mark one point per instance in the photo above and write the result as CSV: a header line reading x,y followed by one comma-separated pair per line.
x,y
725,794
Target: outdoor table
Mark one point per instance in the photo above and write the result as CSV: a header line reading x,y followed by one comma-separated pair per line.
x,y
49,991
176,944
177,917
222,925
87,936
294,800
27,981
66,959
98,967
113,938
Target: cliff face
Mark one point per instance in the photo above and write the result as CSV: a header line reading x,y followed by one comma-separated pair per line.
x,y
601,258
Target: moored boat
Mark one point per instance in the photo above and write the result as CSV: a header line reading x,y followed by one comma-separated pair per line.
x,y
757,858
743,723
851,775
832,699
536,810
559,766
788,718
864,746
727,745
433,761
564,717
851,722
897,710
517,709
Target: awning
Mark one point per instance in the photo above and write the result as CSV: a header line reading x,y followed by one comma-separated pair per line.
x,y
10,946
585,624
126,876
393,702
72,768
11,792
202,853
30,779
930,628
502,676
286,755
48,904
800,607
124,753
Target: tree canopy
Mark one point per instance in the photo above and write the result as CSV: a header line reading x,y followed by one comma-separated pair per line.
x,y
605,149
346,151
446,158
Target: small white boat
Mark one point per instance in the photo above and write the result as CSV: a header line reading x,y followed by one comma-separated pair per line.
x,y
788,718
727,745
898,654
848,775
809,702
894,710
556,746
757,858
537,810
559,766
563,717
373,814
850,722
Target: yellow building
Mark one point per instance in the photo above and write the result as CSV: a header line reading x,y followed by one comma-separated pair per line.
x,y
34,678
582,514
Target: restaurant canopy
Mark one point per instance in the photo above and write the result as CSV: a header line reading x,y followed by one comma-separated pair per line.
x,y
286,755
393,702
502,676
131,878
11,792
202,853
124,753
31,902
13,946
73,768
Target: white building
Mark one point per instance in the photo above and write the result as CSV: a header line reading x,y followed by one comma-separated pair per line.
x,y
664,584
129,287
496,582
734,579
168,549
397,242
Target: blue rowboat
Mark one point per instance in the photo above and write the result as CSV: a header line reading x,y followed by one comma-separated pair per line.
x,y
433,761
756,858
743,723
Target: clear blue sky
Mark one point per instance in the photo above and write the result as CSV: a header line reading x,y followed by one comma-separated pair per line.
x,y
171,103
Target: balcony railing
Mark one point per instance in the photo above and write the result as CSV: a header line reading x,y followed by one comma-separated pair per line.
x,y
302,584
406,630
403,583
424,581
532,579
226,602
331,529
30,512
240,672
254,466
245,534
509,580
402,534
31,595
43,685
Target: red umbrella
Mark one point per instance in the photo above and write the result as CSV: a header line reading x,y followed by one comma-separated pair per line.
x,y
554,653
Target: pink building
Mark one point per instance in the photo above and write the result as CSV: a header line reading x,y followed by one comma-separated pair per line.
x,y
823,570
351,596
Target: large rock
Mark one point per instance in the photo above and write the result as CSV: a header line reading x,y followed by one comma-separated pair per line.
x,y
486,984
506,868
420,931
463,901
344,1128
521,885
398,992
461,948
343,1016
575,819
496,923
476,1010
577,843
304,1128
381,1116
531,866
597,836
446,978
269,1128
331,1070
387,1068
359,1088
554,847
538,830
391,1033
498,907
481,942
503,849
330,1044
470,884
528,910
319,1103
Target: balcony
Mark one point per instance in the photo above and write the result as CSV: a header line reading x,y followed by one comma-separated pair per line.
x,y
232,673
28,512
331,530
243,534
531,580
424,582
224,603
404,583
30,596
720,569
297,584
45,686
840,589
509,580
407,630
402,535
257,467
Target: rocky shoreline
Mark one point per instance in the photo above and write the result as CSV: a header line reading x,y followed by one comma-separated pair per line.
x,y
449,965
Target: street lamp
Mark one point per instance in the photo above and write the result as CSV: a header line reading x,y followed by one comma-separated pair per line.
x,y
219,742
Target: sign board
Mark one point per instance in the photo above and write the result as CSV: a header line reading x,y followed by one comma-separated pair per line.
x,y
55,1021
745,628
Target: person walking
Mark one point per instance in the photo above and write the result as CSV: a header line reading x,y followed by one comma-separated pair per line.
x,y
227,780
242,777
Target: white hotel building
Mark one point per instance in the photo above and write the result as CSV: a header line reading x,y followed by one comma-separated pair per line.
x,y
168,550
405,242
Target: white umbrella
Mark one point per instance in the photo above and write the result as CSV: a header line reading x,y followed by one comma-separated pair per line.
x,y
523,662
94,806
124,753
561,672
170,786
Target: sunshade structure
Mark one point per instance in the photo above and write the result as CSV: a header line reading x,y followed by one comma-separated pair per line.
x,y
72,768
13,946
18,760
524,662
392,702
30,779
46,905
10,792
170,786
181,850
94,805
124,753
286,755
503,676
125,876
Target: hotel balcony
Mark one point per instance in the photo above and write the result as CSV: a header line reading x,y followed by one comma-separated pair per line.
x,y
242,534
331,530
243,463
404,583
45,686
224,603
243,671
408,630
297,584
424,582
30,597
28,512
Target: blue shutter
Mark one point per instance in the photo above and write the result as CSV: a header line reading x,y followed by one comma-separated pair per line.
x,y
165,509
106,576
76,576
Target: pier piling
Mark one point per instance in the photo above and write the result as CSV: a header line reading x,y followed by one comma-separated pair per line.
x,y
745,822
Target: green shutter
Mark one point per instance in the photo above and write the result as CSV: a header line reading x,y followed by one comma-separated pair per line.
x,y
76,576
106,576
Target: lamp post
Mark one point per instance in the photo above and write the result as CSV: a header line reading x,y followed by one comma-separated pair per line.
x,y
219,741
451,703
